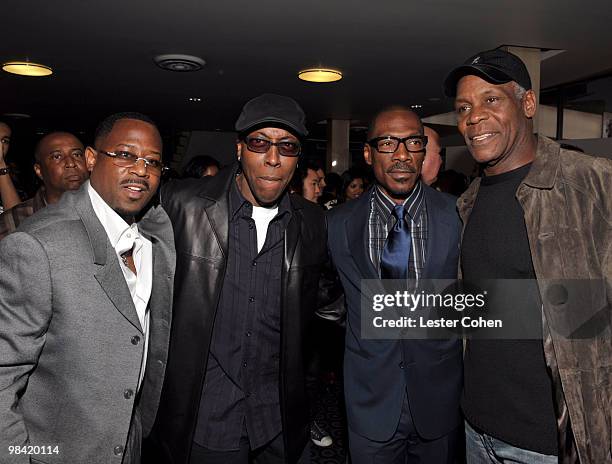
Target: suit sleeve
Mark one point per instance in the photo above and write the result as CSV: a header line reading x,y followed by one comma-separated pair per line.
x,y
25,312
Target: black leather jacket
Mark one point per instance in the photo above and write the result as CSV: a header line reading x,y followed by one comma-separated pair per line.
x,y
199,211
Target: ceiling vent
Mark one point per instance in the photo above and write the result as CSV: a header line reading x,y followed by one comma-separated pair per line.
x,y
179,63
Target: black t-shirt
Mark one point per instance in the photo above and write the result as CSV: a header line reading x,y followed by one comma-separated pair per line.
x,y
507,390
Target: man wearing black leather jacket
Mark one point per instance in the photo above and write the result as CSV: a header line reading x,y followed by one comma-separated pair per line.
x,y
249,256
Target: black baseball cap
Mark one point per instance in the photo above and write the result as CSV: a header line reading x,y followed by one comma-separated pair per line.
x,y
275,109
494,66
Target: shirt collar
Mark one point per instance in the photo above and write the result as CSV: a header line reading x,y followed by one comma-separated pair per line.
x,y
413,203
120,234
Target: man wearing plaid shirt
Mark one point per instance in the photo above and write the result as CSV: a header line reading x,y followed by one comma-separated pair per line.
x,y
60,165
402,396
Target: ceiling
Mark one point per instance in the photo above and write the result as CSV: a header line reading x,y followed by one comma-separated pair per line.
x,y
390,52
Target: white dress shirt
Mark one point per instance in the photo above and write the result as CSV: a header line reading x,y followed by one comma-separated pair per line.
x,y
123,237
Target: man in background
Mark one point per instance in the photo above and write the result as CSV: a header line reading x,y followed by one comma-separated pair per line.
x,y
60,165
433,159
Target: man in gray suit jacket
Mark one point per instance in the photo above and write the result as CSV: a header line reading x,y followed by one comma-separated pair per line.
x,y
85,308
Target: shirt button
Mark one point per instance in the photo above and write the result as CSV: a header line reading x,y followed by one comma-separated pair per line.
x,y
248,334
128,393
244,364
129,235
401,364
135,340
254,263
251,299
118,450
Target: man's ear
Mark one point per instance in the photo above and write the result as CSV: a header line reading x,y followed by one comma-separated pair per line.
x,y
529,104
91,157
38,171
367,154
238,150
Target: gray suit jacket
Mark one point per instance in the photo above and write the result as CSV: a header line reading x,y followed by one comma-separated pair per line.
x,y
70,341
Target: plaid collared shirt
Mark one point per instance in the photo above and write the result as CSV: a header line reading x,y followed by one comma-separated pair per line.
x,y
381,220
12,217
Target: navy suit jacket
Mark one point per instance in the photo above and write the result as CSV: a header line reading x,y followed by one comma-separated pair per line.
x,y
379,373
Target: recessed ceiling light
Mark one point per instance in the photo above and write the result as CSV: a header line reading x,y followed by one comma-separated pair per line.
x,y
414,107
320,75
27,68
195,99
179,63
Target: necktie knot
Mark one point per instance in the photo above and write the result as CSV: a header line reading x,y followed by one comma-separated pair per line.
x,y
399,212
396,252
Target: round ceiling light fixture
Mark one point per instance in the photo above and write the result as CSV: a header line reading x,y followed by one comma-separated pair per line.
x,y
27,68
320,75
179,63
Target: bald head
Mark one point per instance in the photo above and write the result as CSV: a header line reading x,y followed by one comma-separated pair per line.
x,y
433,159
60,164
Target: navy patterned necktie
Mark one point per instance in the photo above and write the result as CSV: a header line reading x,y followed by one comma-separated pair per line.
x,y
395,255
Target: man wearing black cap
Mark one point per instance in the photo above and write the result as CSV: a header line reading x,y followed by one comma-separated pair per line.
x,y
247,272
539,212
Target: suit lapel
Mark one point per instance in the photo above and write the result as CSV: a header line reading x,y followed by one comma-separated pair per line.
x,y
110,276
216,206
111,279
438,233
356,227
156,227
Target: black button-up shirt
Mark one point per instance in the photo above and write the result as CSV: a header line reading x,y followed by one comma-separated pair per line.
x,y
241,387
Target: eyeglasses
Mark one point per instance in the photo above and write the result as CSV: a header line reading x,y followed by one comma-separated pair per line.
x,y
125,159
390,144
259,145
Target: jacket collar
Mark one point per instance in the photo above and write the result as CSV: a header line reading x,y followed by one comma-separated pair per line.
x,y
543,172
215,193
218,187
542,175
356,226
154,224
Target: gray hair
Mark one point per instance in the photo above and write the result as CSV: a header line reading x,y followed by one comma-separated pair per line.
x,y
519,92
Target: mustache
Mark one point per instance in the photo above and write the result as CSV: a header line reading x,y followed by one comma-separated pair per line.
x,y
142,182
400,166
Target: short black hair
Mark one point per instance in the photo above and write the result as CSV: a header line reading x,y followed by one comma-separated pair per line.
x,y
301,172
388,109
106,126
